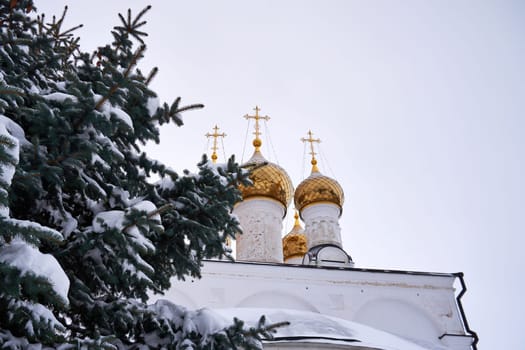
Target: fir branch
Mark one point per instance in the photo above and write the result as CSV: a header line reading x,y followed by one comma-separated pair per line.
x,y
58,160
71,47
188,107
12,5
159,211
152,75
69,31
130,26
136,56
115,87
26,176
62,39
55,26
11,92
274,326
40,23
173,111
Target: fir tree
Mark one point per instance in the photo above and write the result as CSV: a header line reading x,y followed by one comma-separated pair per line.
x,y
84,236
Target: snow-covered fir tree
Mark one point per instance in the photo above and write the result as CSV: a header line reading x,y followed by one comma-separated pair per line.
x,y
84,235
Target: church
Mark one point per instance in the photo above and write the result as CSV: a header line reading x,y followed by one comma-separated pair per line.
x,y
308,279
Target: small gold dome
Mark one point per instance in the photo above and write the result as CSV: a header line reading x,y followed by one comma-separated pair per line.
x,y
318,188
295,243
269,180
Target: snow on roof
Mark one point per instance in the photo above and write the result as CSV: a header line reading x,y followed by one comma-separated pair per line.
x,y
313,327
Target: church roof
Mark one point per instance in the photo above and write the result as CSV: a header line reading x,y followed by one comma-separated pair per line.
x,y
326,332
269,180
318,188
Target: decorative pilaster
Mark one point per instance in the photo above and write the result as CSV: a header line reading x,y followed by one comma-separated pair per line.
x,y
261,222
322,224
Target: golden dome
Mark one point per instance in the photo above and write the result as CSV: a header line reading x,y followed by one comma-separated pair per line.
x,y
294,243
269,180
318,188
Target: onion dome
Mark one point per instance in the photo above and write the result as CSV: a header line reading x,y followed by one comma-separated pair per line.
x,y
269,179
294,243
317,188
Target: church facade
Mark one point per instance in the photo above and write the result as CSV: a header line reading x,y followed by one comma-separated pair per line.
x,y
309,280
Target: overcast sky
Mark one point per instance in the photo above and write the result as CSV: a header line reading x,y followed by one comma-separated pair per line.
x,y
419,106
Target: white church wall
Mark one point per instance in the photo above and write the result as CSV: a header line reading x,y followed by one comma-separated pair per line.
x,y
398,317
422,306
277,299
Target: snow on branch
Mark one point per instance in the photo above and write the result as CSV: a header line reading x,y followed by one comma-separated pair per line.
x,y
29,259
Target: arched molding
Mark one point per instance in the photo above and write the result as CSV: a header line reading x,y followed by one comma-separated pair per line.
x,y
398,317
277,299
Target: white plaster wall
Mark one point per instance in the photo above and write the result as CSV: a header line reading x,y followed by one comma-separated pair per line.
x,y
276,299
419,306
322,224
261,223
400,317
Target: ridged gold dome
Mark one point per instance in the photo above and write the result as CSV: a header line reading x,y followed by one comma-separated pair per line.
x,y
269,180
318,188
295,243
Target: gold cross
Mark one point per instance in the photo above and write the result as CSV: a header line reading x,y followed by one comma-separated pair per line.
x,y
215,135
257,142
312,140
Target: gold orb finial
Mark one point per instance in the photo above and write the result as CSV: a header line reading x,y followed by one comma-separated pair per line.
x,y
215,135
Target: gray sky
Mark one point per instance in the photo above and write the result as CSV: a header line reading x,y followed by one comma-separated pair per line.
x,y
419,105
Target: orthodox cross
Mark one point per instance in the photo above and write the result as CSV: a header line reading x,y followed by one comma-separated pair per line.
x,y
311,140
215,135
257,142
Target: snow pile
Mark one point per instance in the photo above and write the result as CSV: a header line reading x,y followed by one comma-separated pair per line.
x,y
60,97
14,130
38,312
312,327
8,169
152,105
24,224
111,111
203,321
116,219
29,259
181,323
